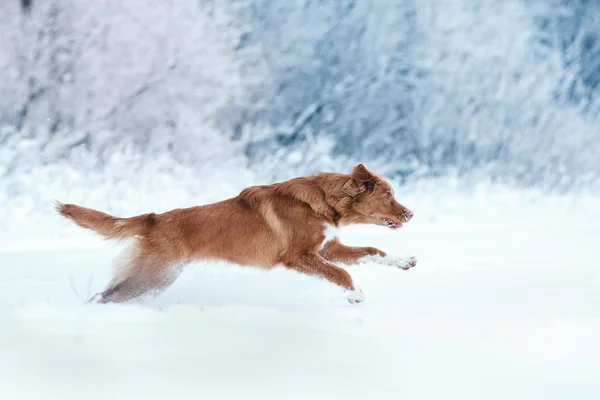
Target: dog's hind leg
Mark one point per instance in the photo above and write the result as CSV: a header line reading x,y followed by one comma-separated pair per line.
x,y
141,273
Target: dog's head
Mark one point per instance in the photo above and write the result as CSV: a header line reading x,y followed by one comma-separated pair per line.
x,y
372,201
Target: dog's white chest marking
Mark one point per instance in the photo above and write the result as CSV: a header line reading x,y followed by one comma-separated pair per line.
x,y
331,232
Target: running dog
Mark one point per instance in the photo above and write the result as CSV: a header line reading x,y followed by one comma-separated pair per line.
x,y
285,223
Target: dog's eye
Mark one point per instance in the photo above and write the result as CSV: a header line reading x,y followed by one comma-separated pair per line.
x,y
388,197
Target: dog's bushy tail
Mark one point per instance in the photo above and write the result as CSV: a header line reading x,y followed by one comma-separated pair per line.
x,y
105,224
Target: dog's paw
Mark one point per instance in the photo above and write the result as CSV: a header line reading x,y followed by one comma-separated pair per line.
x,y
404,263
355,296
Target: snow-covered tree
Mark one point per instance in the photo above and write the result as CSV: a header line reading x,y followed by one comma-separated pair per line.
x,y
506,90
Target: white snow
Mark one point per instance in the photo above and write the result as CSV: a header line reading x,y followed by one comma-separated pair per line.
x,y
503,304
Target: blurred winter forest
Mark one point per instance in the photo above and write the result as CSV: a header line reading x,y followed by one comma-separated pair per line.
x,y
183,96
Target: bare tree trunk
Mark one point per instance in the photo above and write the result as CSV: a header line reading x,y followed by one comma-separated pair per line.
x,y
26,5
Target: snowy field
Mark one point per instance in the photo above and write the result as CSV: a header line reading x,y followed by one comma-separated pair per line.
x,y
504,304
148,105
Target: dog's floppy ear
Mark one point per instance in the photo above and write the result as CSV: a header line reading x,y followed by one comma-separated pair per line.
x,y
362,175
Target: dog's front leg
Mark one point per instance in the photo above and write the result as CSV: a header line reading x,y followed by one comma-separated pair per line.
x,y
335,251
404,263
314,264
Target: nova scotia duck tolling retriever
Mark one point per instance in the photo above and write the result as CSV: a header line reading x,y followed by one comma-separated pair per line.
x,y
286,223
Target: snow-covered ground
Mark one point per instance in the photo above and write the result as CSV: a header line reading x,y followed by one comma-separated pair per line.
x,y
504,304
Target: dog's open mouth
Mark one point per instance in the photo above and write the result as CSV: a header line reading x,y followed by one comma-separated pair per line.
x,y
392,224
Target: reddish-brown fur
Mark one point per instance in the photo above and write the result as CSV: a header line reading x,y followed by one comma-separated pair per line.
x,y
265,226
